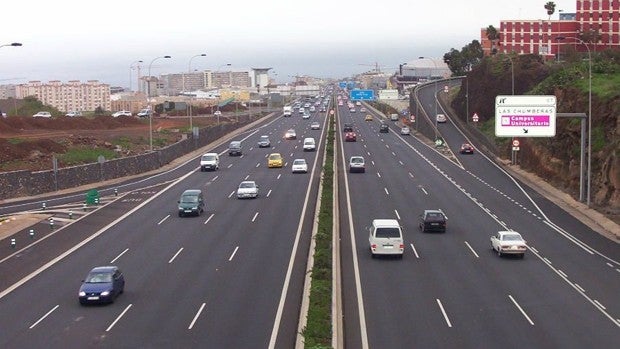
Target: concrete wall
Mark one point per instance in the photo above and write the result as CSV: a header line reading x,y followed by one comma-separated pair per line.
x,y
27,183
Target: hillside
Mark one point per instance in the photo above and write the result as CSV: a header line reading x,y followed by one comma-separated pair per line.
x,y
557,159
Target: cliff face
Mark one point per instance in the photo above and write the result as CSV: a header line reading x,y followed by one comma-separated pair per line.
x,y
556,159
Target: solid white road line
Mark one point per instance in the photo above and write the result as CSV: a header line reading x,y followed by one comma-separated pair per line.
x,y
599,304
233,254
562,273
521,310
414,251
43,317
175,255
119,256
191,325
208,219
579,288
163,219
255,215
118,318
472,250
444,313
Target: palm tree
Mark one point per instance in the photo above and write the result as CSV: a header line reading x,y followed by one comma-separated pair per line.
x,y
550,7
493,36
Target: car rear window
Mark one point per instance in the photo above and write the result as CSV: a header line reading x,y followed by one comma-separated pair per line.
x,y
434,216
387,233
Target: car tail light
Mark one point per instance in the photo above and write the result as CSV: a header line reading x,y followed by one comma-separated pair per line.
x,y
402,246
373,246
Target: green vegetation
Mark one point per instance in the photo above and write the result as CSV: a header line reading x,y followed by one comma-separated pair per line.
x,y
85,155
15,141
317,333
123,141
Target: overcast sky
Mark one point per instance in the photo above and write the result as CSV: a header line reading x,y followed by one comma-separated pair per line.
x,y
85,40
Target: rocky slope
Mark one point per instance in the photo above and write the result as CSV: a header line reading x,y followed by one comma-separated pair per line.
x,y
558,158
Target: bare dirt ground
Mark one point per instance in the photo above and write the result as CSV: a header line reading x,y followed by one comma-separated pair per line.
x,y
27,143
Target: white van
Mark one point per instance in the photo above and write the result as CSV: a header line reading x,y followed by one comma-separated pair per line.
x,y
386,238
309,144
209,161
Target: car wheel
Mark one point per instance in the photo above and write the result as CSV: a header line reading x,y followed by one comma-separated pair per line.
x,y
499,253
522,255
180,214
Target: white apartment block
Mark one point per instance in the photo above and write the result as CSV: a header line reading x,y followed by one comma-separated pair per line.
x,y
70,96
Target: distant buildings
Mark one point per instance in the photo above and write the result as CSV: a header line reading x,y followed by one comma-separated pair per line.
x,y
596,22
70,96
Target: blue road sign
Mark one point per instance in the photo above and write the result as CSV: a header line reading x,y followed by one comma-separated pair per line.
x,y
342,84
363,95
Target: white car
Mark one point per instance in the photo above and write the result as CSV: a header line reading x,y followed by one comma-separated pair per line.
x,y
299,165
306,116
42,114
315,126
309,144
217,113
508,242
441,118
247,189
357,164
405,131
144,113
122,113
386,238
73,114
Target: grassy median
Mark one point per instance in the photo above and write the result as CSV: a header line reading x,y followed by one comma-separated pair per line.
x,y
318,331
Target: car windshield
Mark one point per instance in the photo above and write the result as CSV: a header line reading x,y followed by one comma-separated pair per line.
x,y
189,199
208,157
94,278
387,233
299,162
264,138
246,185
512,237
274,157
434,216
357,160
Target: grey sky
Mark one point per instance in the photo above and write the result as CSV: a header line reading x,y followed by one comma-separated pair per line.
x,y
71,39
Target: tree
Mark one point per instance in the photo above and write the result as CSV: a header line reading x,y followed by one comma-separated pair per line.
x,y
592,35
493,36
550,7
464,60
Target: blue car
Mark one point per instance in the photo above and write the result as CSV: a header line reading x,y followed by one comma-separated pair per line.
x,y
102,285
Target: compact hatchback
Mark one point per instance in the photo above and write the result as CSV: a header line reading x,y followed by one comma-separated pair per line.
x,y
290,134
299,166
264,142
275,160
247,189
384,128
433,220
441,118
102,285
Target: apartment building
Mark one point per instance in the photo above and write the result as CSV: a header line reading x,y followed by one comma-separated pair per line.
x,y
72,95
174,84
596,22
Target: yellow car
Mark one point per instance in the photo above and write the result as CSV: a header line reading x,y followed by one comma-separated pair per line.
x,y
275,160
368,117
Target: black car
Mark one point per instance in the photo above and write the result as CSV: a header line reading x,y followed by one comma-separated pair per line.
x,y
347,128
433,220
384,128
102,285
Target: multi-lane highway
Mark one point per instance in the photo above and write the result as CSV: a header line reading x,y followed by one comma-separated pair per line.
x,y
232,277
451,290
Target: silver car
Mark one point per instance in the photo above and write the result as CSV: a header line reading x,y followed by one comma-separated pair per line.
x,y
247,190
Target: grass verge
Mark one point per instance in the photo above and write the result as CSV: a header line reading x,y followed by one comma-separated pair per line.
x,y
317,333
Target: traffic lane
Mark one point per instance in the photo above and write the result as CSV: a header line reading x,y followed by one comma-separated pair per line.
x,y
41,250
519,217
422,250
156,283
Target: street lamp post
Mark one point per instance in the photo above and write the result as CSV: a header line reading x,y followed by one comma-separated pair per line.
x,y
431,75
130,68
149,102
560,38
189,71
12,44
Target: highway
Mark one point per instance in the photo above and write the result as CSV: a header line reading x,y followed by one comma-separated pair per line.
x,y
451,290
232,277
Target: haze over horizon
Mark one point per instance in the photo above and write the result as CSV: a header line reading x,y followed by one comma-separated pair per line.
x,y
64,40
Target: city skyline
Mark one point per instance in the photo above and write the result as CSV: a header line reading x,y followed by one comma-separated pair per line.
x,y
326,39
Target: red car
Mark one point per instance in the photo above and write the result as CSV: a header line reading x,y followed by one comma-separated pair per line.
x,y
350,137
467,148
